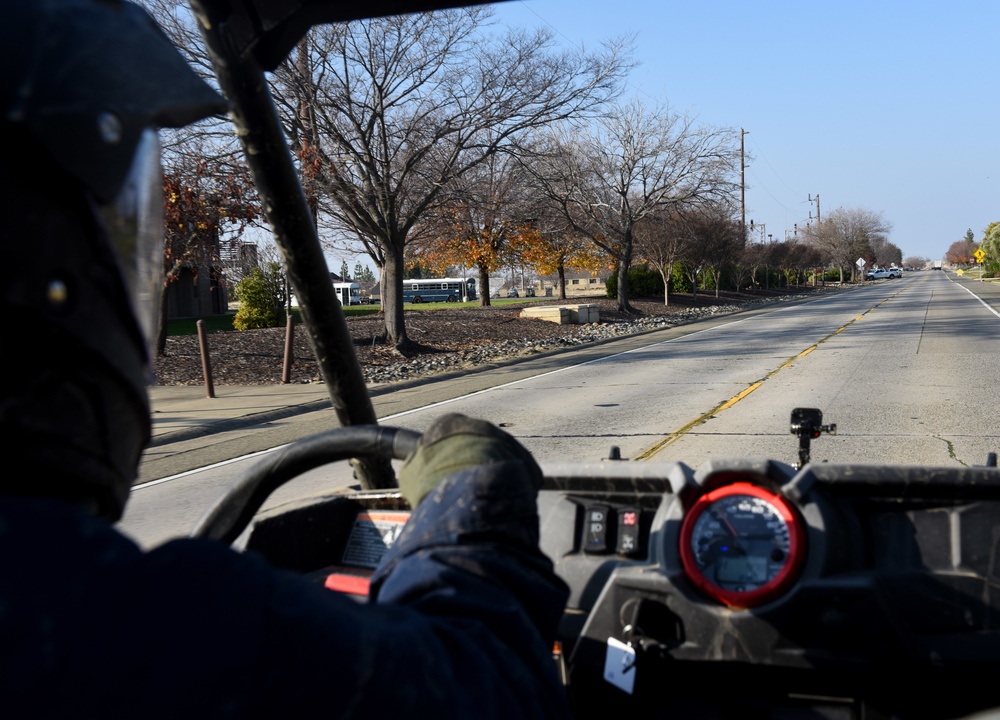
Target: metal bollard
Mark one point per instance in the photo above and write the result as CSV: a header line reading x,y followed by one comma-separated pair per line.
x,y
286,372
206,364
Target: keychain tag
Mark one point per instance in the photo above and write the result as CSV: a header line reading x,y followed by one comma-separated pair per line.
x,y
619,665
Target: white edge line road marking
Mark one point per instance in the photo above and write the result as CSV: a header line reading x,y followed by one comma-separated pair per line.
x,y
983,302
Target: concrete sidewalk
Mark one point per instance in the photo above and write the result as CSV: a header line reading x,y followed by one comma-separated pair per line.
x,y
181,412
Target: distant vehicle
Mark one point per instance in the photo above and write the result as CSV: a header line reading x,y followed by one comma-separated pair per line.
x,y
880,273
937,265
439,290
512,293
529,292
348,293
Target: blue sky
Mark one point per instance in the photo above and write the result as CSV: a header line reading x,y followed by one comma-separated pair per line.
x,y
888,106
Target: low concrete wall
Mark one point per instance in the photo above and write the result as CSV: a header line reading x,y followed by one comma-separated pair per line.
x,y
585,313
564,314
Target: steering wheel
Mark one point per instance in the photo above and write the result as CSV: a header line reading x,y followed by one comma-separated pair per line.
x,y
230,515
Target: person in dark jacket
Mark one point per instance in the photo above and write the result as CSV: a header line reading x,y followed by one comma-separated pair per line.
x,y
462,610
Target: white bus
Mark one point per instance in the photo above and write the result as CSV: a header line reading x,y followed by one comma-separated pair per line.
x,y
439,290
348,293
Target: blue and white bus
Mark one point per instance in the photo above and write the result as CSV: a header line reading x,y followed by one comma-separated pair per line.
x,y
439,290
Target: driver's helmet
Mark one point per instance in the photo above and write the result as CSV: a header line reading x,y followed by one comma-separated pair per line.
x,y
85,85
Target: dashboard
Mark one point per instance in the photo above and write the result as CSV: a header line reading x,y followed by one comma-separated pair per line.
x,y
842,591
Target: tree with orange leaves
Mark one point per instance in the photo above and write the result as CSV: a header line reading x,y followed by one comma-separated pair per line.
x,y
474,237
201,199
482,222
550,252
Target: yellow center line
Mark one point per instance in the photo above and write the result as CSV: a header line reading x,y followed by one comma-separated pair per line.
x,y
684,430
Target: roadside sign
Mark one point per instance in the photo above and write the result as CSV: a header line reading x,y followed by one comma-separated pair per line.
x,y
979,254
861,263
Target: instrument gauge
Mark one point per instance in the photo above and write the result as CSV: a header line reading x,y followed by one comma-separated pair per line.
x,y
742,545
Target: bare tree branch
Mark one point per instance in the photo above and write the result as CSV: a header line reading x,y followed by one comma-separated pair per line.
x,y
635,162
405,106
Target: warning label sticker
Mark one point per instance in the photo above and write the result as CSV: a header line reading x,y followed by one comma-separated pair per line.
x,y
372,535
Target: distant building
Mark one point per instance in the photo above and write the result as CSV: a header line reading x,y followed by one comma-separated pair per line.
x,y
371,291
203,289
197,292
579,283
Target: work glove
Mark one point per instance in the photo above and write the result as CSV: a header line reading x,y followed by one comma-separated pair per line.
x,y
456,442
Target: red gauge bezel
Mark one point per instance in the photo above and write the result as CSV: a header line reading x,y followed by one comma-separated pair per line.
x,y
781,582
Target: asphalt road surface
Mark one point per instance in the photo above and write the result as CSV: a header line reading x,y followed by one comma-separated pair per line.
x,y
904,367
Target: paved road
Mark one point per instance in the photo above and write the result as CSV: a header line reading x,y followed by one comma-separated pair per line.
x,y
190,432
907,380
902,366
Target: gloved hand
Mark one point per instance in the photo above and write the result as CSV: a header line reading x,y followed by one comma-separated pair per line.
x,y
456,442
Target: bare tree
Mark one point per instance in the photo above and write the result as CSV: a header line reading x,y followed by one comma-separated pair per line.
x,y
799,258
660,241
405,105
716,240
212,139
848,234
633,163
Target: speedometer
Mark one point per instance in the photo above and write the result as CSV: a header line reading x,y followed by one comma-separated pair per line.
x,y
742,545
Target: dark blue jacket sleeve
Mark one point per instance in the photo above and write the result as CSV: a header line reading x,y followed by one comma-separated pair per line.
x,y
468,560
462,624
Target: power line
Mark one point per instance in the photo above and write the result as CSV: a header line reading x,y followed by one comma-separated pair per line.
x,y
780,179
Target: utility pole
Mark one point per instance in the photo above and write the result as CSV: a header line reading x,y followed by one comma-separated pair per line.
x,y
743,187
818,218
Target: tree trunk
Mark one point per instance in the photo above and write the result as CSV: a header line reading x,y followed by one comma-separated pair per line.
x,y
623,304
624,263
161,324
484,286
380,269
392,298
562,281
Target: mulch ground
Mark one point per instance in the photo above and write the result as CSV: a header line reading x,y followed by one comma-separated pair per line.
x,y
255,357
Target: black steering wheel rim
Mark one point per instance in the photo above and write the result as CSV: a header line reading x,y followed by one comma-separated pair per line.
x,y
230,515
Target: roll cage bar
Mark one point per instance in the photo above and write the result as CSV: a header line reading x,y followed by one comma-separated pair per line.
x,y
246,38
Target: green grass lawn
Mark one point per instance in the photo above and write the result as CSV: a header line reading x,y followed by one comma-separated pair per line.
x,y
188,326
224,323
